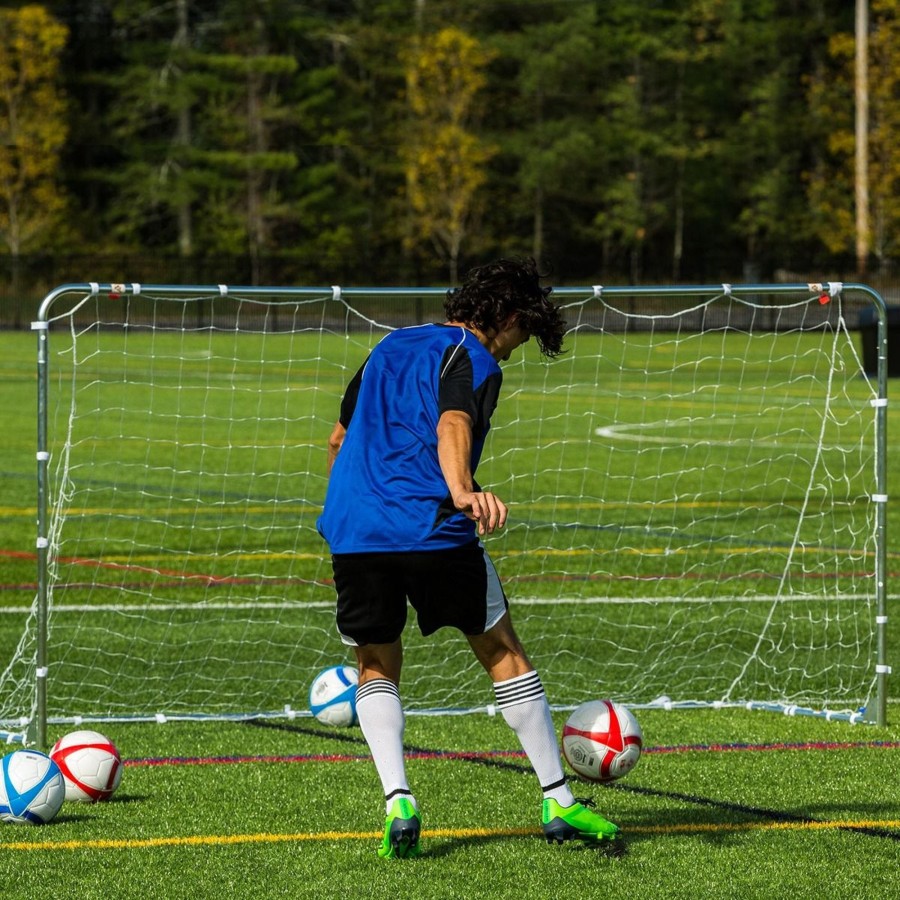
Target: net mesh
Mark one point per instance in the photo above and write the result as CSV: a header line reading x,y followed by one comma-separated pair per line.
x,y
690,491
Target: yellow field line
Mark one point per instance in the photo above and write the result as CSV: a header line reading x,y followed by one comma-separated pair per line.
x,y
230,839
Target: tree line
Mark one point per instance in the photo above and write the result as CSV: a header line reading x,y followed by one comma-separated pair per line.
x,y
398,141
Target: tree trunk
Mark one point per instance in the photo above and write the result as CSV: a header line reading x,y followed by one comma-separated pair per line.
x,y
183,142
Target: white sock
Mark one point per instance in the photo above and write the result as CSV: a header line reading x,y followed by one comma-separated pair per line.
x,y
525,708
382,721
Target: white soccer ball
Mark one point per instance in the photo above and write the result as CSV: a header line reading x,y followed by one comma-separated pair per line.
x,y
90,764
602,740
332,696
31,788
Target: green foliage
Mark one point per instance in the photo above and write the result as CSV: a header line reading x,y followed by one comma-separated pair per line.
x,y
445,161
831,96
551,132
200,130
634,140
32,127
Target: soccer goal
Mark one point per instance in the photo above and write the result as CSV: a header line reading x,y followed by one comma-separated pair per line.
x,y
697,492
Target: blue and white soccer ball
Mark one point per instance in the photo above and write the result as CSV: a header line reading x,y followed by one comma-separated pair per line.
x,y
32,788
332,696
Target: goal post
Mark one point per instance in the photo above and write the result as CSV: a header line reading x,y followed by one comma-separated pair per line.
x,y
697,489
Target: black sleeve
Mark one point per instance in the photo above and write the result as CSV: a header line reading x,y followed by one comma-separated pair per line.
x,y
457,391
348,404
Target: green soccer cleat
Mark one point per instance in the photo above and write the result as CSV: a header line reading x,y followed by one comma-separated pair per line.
x,y
565,823
401,831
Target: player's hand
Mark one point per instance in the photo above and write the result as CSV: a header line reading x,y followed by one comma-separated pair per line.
x,y
483,507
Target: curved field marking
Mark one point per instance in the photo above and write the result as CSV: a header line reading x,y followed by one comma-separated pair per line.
x,y
633,432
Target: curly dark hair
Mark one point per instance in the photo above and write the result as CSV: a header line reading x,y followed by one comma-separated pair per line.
x,y
491,293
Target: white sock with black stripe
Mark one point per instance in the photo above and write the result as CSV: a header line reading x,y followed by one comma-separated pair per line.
x,y
525,708
382,721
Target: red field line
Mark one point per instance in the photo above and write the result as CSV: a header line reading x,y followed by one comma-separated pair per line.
x,y
505,754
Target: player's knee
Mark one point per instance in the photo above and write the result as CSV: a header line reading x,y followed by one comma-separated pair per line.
x,y
501,654
379,661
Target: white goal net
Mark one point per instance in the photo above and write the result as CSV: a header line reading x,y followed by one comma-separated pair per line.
x,y
693,493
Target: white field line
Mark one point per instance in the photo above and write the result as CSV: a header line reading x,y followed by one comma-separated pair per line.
x,y
521,601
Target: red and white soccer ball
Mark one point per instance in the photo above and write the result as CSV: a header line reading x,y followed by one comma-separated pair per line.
x,y
602,740
90,764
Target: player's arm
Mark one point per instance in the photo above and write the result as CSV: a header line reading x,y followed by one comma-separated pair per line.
x,y
334,443
348,406
454,434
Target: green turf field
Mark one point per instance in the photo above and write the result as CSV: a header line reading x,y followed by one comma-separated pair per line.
x,y
197,815
725,803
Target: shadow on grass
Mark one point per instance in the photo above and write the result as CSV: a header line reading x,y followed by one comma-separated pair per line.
x,y
438,847
725,821
708,818
68,815
66,818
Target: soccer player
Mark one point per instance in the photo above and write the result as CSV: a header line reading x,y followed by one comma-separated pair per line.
x,y
404,515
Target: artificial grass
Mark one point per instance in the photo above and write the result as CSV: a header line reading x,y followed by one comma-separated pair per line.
x,y
725,822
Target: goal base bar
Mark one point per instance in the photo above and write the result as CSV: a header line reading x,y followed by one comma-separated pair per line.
x,y
860,716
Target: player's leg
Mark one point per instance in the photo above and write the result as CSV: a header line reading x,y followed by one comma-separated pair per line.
x,y
522,702
381,716
524,706
371,613
460,588
382,721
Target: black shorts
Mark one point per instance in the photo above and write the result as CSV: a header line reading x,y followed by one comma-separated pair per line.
x,y
457,587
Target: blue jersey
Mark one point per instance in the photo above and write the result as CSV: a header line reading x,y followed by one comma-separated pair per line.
x,y
386,492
